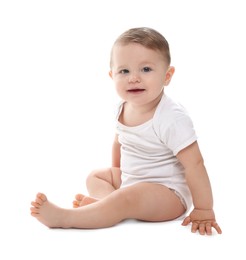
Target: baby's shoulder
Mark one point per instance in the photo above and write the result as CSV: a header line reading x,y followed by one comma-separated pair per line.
x,y
169,110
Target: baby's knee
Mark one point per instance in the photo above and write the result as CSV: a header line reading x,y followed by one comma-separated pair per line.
x,y
91,176
97,174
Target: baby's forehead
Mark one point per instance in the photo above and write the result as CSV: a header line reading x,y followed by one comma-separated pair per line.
x,y
123,50
131,46
136,48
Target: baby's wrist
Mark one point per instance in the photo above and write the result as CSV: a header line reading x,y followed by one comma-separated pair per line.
x,y
203,209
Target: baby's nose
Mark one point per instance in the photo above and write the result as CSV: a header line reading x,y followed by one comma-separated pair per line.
x,y
133,78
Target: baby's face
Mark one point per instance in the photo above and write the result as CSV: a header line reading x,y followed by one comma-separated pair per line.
x,y
139,73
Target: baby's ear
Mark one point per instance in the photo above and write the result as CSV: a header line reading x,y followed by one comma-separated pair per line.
x,y
110,74
169,75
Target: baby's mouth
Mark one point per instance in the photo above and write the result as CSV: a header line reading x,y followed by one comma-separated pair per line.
x,y
136,90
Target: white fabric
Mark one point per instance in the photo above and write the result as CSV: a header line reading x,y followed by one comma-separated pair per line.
x,y
148,151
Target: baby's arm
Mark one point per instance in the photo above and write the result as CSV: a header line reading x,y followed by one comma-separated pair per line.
x,y
202,216
116,153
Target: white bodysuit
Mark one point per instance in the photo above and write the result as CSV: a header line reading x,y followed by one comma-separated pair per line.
x,y
148,151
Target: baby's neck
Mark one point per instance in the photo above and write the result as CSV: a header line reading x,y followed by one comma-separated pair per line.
x,y
134,115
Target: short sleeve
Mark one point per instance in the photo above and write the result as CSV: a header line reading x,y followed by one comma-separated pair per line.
x,y
179,134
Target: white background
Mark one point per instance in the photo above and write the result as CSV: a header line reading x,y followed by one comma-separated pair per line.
x,y
57,119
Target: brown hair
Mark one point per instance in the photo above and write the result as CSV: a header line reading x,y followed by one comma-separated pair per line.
x,y
147,37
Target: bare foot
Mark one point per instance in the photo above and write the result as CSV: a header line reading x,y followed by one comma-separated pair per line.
x,y
48,213
82,200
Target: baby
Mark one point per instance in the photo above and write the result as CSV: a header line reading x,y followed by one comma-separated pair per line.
x,y
157,171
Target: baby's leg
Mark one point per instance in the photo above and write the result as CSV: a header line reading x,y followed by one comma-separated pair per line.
x,y
101,183
143,201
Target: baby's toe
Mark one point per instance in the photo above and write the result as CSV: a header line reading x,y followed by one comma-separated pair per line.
x,y
75,204
35,204
40,199
79,197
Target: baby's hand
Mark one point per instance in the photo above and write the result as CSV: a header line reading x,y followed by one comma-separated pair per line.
x,y
203,221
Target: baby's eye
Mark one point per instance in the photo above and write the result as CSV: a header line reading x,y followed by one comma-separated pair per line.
x,y
147,69
124,71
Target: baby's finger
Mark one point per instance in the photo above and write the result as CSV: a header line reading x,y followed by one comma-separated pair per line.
x,y
217,227
186,221
208,229
194,227
202,229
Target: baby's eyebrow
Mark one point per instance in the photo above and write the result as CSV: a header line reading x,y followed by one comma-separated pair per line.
x,y
147,63
141,64
121,67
